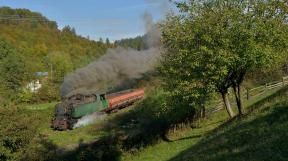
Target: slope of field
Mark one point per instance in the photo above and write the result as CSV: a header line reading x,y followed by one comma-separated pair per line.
x,y
260,135
71,138
215,136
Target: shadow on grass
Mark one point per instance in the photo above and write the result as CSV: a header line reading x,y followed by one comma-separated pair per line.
x,y
258,136
187,138
242,138
126,132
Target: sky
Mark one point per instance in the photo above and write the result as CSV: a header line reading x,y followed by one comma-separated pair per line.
x,y
113,19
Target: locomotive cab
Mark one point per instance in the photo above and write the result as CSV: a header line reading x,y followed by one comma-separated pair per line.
x,y
104,100
60,121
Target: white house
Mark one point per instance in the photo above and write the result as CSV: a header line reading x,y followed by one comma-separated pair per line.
x,y
35,85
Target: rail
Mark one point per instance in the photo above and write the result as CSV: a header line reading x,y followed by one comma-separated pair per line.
x,y
253,92
250,93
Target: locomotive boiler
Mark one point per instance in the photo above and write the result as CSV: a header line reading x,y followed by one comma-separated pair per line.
x,y
71,109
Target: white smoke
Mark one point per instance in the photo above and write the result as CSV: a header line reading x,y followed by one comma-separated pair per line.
x,y
89,119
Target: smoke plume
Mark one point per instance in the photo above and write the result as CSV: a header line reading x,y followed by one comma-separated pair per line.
x,y
116,66
89,119
163,5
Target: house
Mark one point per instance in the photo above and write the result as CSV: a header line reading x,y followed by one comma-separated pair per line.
x,y
35,85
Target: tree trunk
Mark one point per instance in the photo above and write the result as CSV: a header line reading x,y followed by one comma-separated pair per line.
x,y
238,98
203,112
240,107
227,105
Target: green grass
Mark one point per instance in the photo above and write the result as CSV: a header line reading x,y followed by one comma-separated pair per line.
x,y
66,139
259,136
43,106
186,144
180,141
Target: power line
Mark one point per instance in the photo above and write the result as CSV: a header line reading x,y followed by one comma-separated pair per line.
x,y
22,18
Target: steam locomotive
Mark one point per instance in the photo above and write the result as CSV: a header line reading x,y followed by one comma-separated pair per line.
x,y
71,109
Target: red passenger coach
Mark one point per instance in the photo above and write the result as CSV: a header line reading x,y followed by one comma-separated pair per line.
x,y
124,99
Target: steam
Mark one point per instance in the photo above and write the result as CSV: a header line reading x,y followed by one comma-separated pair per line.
x,y
89,119
116,66
163,4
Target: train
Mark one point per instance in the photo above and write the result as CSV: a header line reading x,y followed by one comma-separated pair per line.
x,y
73,108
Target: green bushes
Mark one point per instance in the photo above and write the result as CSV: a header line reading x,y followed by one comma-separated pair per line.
x,y
49,92
17,130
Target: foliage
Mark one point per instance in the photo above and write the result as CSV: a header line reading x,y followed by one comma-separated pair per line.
x,y
16,16
16,132
61,64
256,136
31,43
213,44
135,43
13,71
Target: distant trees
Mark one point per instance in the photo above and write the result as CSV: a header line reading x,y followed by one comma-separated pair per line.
x,y
101,40
135,43
24,16
28,39
68,29
60,64
107,41
216,43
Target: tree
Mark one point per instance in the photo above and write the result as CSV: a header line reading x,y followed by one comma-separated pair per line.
x,y
217,42
59,64
258,39
101,40
107,41
68,29
12,67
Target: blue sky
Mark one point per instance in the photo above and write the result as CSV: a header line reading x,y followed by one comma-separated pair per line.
x,y
114,19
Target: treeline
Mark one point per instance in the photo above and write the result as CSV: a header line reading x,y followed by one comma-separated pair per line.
x,y
135,43
138,43
31,43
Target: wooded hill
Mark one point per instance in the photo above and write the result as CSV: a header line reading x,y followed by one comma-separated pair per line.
x,y
29,43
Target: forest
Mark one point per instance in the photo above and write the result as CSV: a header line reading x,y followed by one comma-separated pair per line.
x,y
217,92
31,43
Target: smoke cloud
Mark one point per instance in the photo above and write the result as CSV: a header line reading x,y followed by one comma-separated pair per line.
x,y
116,66
164,5
89,119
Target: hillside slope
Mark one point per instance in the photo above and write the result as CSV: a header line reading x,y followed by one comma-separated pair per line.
x,y
258,136
30,43
36,36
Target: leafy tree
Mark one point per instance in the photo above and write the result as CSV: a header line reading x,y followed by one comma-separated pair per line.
x,y
60,64
217,42
12,67
107,41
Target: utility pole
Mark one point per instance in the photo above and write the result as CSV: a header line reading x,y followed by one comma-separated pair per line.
x,y
51,71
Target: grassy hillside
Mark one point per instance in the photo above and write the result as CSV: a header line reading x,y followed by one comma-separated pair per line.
x,y
62,139
213,136
260,135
